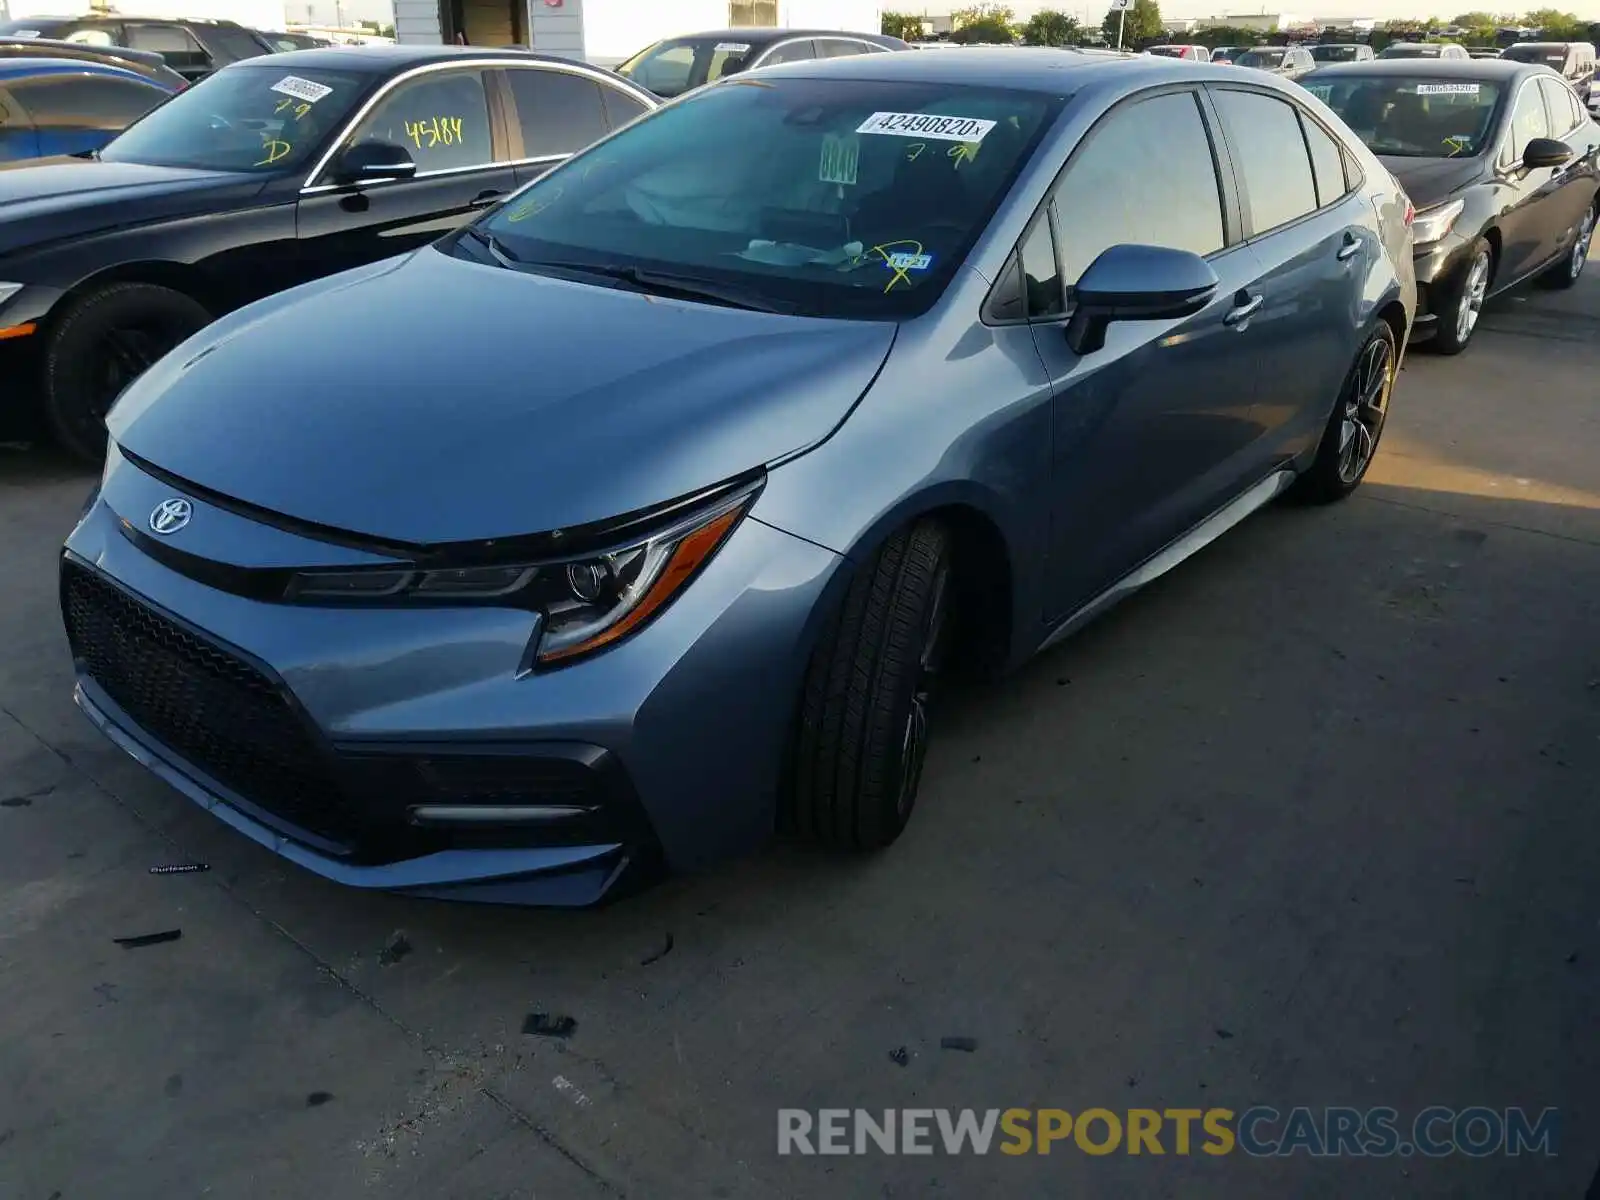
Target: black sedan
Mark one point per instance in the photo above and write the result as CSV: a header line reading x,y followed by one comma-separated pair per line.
x,y
677,65
1500,160
268,174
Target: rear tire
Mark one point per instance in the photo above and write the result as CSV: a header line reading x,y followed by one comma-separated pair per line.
x,y
103,342
1457,317
1568,271
862,733
1351,437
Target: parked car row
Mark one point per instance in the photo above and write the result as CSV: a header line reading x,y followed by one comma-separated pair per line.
x,y
722,441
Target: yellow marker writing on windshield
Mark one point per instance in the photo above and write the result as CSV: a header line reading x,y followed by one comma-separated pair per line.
x,y
914,151
963,152
886,252
533,207
275,150
300,109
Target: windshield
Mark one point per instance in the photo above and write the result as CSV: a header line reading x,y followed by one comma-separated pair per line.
x,y
1413,118
1167,51
1261,58
1334,53
1550,56
1410,50
676,66
243,118
835,198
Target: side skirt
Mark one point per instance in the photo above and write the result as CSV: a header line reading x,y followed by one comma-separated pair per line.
x,y
1191,543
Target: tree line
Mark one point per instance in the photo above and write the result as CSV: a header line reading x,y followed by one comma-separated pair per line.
x,y
1141,26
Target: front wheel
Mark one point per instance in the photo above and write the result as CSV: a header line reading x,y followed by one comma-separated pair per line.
x,y
104,341
1566,272
863,728
1462,304
1351,437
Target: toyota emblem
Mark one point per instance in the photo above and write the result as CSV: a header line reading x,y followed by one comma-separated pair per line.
x,y
171,515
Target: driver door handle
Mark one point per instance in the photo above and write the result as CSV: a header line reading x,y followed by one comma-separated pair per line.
x,y
1351,246
487,199
1244,310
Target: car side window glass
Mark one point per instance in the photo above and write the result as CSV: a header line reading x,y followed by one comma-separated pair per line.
x,y
838,48
1270,157
620,107
667,72
1327,162
1178,206
441,119
16,132
1041,272
801,51
87,102
559,112
1528,121
1555,102
91,37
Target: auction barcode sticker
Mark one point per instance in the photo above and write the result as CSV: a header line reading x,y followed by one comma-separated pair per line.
x,y
1447,89
302,89
927,125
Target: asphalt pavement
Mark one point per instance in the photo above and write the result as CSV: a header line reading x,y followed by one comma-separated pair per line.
x,y
1311,821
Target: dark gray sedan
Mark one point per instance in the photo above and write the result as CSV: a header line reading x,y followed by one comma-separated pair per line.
x,y
645,515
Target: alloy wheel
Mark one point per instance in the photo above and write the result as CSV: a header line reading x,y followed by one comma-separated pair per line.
x,y
1580,248
1472,296
1365,409
126,354
914,739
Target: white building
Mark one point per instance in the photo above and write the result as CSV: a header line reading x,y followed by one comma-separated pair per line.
x,y
608,31
258,14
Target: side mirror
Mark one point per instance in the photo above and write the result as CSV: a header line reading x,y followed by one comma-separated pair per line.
x,y
1546,152
1137,283
370,162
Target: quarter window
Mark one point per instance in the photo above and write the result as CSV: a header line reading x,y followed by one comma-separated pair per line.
x,y
559,112
1110,196
1270,155
1556,96
1528,121
621,107
1327,163
441,119
839,48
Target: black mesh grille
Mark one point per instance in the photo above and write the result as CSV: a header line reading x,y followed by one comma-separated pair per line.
x,y
207,705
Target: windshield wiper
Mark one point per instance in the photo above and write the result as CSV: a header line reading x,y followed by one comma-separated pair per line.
x,y
657,283
492,244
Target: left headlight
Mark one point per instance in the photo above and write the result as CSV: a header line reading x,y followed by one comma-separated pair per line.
x,y
8,290
1431,224
586,603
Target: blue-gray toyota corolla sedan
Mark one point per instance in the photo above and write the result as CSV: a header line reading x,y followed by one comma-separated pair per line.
x,y
641,517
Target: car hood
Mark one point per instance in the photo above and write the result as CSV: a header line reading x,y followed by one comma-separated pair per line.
x,y
429,399
1430,181
50,199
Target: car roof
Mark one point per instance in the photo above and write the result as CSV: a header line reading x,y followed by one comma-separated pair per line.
x,y
1443,68
761,35
1053,70
112,18
386,58
12,68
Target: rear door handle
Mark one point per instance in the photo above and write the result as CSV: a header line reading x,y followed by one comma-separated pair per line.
x,y
1351,247
486,199
1245,310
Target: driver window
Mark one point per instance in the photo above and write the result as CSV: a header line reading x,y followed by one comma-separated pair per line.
x,y
1555,100
1528,121
440,119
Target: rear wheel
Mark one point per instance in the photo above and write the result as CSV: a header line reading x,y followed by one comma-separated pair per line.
x,y
1351,437
104,341
1566,272
863,728
1462,304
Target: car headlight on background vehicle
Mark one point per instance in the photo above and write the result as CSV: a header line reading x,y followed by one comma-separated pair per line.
x,y
1431,224
587,603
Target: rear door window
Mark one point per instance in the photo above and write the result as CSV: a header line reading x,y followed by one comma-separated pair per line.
x,y
1271,162
441,119
232,43
1109,197
173,43
1557,101
558,112
838,47
800,51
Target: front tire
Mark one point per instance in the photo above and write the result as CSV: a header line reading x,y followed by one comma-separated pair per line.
x,y
103,342
1463,303
1351,437
1567,272
862,733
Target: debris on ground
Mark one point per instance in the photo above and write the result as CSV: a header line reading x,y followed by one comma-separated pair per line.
x,y
148,939
1224,1034
318,1099
899,1057
659,954
180,869
958,1043
396,948
538,1024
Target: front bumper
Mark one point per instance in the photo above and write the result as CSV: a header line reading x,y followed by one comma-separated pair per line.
x,y
353,741
1439,267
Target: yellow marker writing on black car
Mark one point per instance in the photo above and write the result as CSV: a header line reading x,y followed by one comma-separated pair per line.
x,y
276,150
435,131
